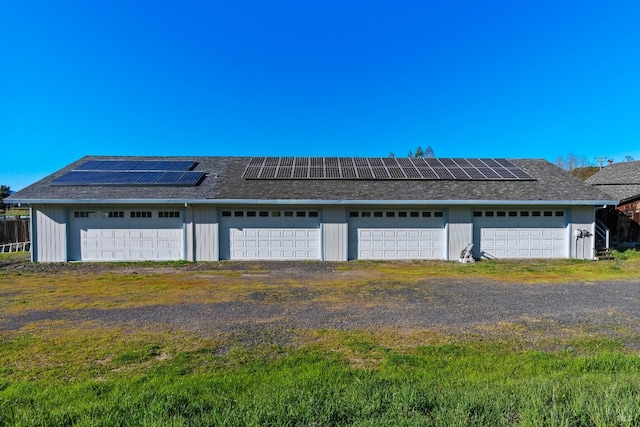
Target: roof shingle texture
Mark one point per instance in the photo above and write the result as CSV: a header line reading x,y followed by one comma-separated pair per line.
x,y
620,180
224,182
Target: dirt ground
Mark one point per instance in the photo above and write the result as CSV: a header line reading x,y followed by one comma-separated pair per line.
x,y
477,308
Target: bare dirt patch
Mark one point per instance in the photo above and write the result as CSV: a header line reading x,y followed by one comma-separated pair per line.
x,y
280,302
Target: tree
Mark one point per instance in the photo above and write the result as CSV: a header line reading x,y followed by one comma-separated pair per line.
x,y
571,162
428,152
628,159
5,191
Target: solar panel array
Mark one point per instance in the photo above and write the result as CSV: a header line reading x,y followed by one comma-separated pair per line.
x,y
133,172
384,168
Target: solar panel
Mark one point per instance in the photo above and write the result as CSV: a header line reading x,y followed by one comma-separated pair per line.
x,y
492,163
173,178
349,172
504,162
300,172
380,173
136,165
489,173
251,172
317,162
412,172
284,171
332,172
477,163
463,163
301,162
519,173
427,173
396,173
316,172
271,161
433,162
256,162
383,168
504,173
474,173
443,173
458,173
449,163
286,161
364,173
268,172
331,162
390,162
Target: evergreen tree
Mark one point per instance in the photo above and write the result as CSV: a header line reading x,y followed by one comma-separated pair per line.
x,y
5,191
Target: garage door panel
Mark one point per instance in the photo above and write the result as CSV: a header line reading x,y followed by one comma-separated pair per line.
x,y
278,238
396,237
521,243
522,235
101,238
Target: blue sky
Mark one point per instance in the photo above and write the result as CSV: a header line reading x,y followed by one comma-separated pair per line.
x,y
328,78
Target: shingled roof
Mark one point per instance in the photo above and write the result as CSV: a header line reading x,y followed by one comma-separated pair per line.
x,y
224,183
620,180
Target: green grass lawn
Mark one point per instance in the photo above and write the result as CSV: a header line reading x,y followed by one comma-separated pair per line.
x,y
15,211
74,373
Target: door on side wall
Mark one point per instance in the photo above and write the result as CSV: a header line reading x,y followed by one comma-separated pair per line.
x,y
126,235
396,234
275,234
520,233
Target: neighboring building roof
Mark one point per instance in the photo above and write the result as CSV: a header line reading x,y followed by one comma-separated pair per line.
x,y
223,183
620,180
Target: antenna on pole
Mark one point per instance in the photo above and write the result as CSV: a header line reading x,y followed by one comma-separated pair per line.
x,y
601,161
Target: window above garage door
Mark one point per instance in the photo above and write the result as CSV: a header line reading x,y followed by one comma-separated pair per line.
x,y
396,214
269,213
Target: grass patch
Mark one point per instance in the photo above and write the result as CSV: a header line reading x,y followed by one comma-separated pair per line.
x,y
464,383
75,372
625,267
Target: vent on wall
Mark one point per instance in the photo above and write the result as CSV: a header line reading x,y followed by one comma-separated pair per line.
x,y
384,168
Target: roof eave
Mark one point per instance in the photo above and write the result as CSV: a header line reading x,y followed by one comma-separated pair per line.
x,y
313,202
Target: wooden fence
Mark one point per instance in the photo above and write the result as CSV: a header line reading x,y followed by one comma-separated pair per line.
x,y
14,231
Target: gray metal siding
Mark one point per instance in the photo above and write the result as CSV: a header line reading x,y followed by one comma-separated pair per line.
x,y
460,230
206,237
50,234
189,234
334,234
582,218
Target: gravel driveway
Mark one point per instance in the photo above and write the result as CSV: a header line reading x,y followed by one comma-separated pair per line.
x,y
478,307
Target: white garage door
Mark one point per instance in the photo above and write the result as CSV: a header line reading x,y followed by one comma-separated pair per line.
x,y
125,235
398,234
269,235
520,234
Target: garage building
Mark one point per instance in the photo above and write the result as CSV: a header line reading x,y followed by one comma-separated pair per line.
x,y
103,208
